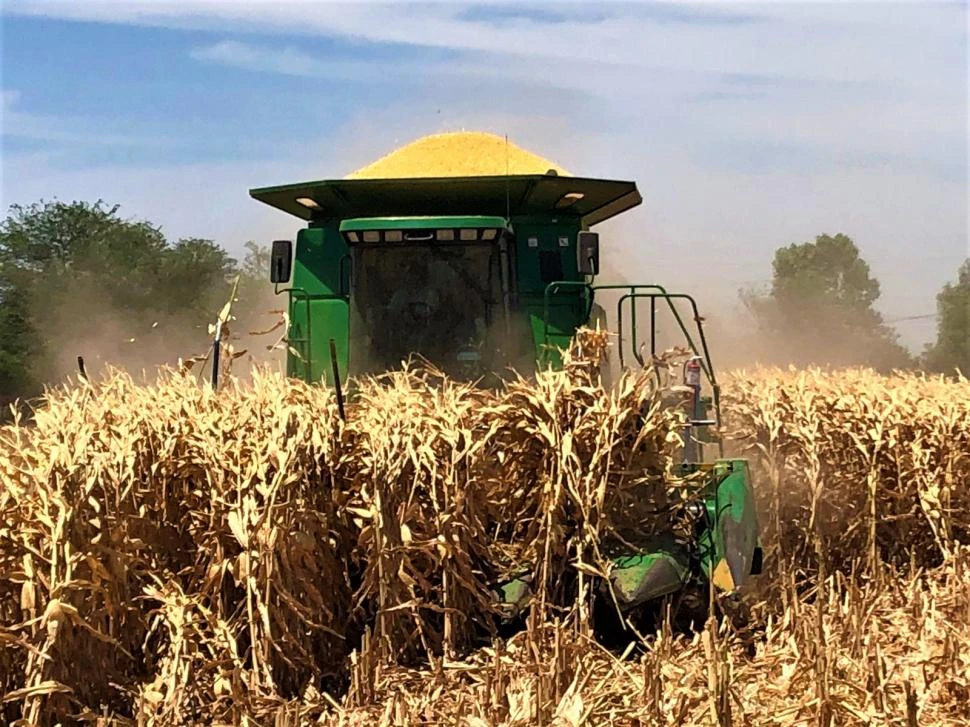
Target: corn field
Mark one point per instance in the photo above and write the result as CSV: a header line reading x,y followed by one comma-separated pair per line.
x,y
171,555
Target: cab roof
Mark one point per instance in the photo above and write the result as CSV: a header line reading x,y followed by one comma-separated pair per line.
x,y
593,200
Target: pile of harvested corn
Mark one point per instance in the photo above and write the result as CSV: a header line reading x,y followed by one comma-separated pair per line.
x,y
457,154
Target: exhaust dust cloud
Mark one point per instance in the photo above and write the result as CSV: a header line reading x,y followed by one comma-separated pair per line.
x,y
145,344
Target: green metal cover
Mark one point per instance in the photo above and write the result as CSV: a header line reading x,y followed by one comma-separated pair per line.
x,y
418,223
730,546
506,196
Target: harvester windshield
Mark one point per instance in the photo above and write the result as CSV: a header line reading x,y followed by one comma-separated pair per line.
x,y
429,293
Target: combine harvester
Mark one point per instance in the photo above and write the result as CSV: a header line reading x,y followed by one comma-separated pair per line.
x,y
482,268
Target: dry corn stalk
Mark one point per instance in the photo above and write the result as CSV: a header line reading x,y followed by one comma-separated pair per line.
x,y
171,554
880,463
237,542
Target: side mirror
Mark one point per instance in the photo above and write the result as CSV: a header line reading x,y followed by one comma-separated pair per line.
x,y
588,249
281,261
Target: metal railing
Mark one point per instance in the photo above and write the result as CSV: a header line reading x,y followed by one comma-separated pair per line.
x,y
653,293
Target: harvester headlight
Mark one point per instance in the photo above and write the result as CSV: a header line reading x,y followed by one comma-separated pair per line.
x,y
446,235
393,236
467,235
353,237
308,203
489,234
372,236
569,198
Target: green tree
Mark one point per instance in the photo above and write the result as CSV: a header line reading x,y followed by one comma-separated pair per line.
x,y
17,348
255,263
194,273
820,309
79,272
952,348
255,295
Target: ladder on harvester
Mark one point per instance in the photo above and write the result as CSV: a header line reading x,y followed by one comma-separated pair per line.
x,y
697,368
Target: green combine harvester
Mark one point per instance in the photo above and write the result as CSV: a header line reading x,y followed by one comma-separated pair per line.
x,y
480,274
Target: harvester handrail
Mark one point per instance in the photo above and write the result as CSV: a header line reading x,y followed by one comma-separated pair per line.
x,y
706,364
301,294
704,352
639,291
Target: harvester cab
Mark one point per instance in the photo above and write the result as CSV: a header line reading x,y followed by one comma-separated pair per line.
x,y
482,274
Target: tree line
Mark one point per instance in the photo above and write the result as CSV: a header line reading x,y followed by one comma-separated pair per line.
x,y
821,310
79,272
72,270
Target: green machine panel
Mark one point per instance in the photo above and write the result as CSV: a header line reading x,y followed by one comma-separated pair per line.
x,y
546,253
546,208
319,309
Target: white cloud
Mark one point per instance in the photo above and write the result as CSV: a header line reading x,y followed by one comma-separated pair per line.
x,y
831,88
243,55
286,60
24,125
816,117
841,38
9,98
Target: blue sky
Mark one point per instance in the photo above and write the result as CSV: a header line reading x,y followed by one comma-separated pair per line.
x,y
746,126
